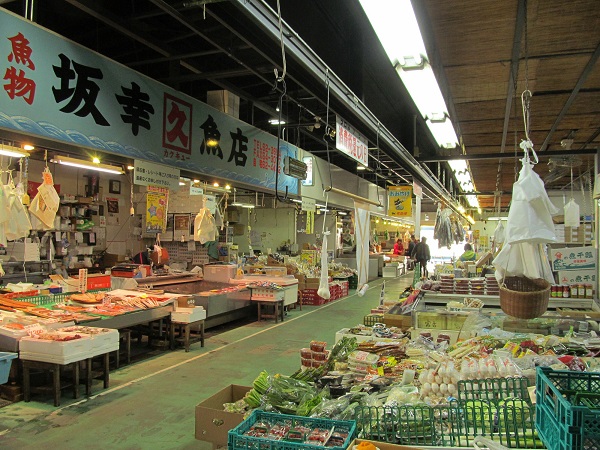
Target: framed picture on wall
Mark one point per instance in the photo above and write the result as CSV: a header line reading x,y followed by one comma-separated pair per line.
x,y
114,186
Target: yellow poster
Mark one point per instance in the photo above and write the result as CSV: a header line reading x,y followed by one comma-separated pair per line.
x,y
157,200
400,201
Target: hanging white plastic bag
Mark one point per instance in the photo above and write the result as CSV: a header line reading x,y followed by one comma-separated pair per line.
x,y
46,202
572,214
205,229
324,282
524,259
499,234
530,214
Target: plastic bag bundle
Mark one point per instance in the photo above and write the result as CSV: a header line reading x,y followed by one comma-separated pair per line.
x,y
529,226
324,282
205,229
530,214
499,234
45,204
572,214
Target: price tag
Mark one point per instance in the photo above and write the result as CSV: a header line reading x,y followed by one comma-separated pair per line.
x,y
83,273
380,371
106,300
392,361
33,330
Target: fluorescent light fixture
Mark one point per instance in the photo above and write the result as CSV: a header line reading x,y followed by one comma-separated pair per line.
x,y
196,181
472,201
182,183
396,26
130,167
215,184
471,220
12,152
276,122
360,167
82,164
424,90
443,132
247,206
28,147
497,218
461,209
227,187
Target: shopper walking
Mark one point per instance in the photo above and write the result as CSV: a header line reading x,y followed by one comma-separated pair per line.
x,y
422,255
411,245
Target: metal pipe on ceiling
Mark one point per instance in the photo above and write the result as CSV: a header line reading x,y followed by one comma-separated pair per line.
x,y
267,18
583,151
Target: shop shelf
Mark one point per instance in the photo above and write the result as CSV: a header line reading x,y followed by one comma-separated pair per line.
x,y
5,363
568,409
237,440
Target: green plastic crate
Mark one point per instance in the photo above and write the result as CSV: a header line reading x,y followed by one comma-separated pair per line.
x,y
454,425
493,390
567,411
238,441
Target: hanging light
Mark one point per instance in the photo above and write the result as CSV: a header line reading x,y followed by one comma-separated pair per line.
x,y
83,164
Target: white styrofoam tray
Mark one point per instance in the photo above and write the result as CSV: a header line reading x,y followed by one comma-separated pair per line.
x,y
58,348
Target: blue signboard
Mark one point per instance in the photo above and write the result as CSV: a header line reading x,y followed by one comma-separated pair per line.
x,y
57,89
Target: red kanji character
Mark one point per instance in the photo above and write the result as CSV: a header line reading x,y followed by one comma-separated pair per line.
x,y
19,85
21,51
177,117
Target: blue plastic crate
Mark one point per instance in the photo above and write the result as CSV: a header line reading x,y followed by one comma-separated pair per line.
x,y
237,440
566,419
5,362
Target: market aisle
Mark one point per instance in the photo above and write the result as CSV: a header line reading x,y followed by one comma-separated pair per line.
x,y
151,404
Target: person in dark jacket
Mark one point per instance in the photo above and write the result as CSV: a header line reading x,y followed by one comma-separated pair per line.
x,y
411,245
422,255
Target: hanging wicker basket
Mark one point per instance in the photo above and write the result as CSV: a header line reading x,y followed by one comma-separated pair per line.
x,y
524,298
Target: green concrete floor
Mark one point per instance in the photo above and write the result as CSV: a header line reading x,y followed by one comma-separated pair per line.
x,y
150,404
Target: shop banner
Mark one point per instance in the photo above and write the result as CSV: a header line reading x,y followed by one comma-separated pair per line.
x,y
350,142
59,90
400,201
157,202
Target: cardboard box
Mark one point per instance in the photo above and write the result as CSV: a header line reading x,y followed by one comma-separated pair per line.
x,y
578,276
398,320
384,445
212,422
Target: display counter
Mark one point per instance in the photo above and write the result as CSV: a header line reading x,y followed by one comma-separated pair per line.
x,y
223,302
375,264
170,279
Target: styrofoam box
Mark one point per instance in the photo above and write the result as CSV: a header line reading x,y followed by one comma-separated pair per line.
x,y
58,348
100,337
183,316
221,273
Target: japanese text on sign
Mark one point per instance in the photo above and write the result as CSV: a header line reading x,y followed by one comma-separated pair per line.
x,y
351,142
149,174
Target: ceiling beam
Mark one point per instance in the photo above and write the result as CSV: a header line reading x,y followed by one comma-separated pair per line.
x,y
583,151
295,47
582,78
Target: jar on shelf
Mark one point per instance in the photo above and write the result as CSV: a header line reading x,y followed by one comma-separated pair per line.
x,y
574,290
566,291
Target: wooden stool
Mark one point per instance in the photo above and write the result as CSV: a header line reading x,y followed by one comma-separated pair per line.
x,y
277,304
125,336
90,375
55,369
185,329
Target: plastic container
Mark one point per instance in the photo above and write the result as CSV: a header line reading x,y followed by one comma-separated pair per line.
x,y
238,441
568,409
5,363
